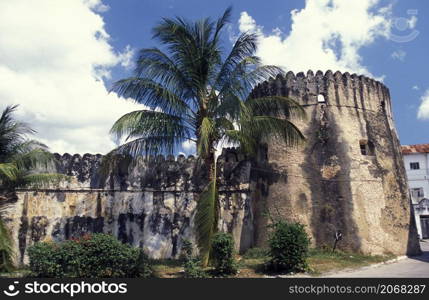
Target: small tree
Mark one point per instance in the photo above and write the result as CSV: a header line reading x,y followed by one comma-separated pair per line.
x,y
201,94
19,159
288,244
191,264
223,254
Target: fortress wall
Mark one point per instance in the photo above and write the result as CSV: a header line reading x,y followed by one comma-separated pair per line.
x,y
328,184
149,203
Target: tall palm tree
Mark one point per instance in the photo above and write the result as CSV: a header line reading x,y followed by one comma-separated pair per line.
x,y
196,93
19,156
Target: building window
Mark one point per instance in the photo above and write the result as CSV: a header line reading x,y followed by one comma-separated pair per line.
x,y
321,98
414,166
417,192
366,147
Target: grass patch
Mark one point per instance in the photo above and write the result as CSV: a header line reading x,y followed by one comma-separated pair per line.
x,y
167,268
322,261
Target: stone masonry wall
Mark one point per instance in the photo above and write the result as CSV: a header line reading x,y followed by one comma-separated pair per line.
x,y
328,184
149,203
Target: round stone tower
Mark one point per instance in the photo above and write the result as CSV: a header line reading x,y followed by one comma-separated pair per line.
x,y
348,177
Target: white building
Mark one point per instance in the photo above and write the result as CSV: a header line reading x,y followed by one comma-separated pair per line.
x,y
416,159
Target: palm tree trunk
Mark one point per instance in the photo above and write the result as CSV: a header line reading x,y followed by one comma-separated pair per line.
x,y
207,209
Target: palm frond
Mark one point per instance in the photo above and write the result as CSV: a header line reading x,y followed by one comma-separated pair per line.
x,y
8,171
27,146
155,65
282,129
247,140
146,123
206,219
32,159
243,48
152,94
12,132
247,76
220,24
152,145
206,137
192,46
276,106
9,125
41,180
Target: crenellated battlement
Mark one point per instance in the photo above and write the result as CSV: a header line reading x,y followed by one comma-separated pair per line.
x,y
98,157
140,171
66,157
338,89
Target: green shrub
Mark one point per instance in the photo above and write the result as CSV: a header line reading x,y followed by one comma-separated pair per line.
x,y
191,265
223,254
288,243
192,268
144,266
91,256
6,249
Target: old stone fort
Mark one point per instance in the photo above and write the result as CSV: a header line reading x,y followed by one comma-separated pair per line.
x,y
347,178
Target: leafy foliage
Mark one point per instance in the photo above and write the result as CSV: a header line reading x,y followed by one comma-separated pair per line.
x,y
19,158
92,256
288,243
206,219
223,254
6,250
198,93
191,265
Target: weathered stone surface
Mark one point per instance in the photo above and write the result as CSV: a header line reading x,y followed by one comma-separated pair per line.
x,y
146,202
328,184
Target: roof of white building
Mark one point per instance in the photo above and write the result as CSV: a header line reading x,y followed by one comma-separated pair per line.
x,y
420,148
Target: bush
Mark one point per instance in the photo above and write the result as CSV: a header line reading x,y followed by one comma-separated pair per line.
x,y
193,269
144,266
91,256
6,249
191,265
288,244
223,254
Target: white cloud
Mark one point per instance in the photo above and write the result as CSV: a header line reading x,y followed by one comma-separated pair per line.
x,y
97,5
399,55
53,57
325,34
247,23
415,87
189,146
126,57
423,111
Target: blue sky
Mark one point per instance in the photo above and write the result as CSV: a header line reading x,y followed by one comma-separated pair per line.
x,y
60,57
